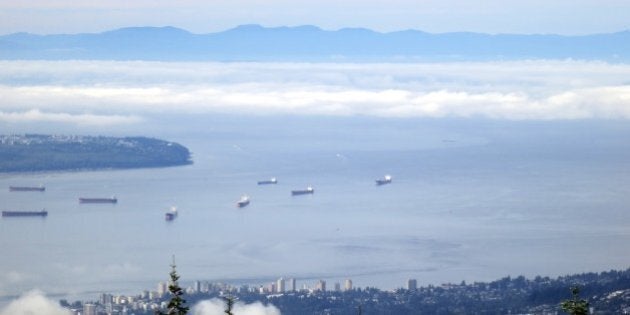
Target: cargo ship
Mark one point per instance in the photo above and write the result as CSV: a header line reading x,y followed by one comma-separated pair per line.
x,y
42,213
98,200
243,202
270,181
27,188
308,190
387,179
171,214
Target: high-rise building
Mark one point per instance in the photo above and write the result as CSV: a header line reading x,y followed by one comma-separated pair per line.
x,y
271,288
337,286
412,284
89,309
197,286
205,287
280,285
161,288
292,286
348,285
321,285
106,298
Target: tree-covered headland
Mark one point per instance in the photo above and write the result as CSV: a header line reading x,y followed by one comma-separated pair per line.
x,y
34,153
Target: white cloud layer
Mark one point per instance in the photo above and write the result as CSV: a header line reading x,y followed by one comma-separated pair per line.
x,y
35,115
217,307
109,93
34,302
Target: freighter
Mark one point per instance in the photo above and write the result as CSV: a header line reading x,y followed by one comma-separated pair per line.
x,y
98,200
308,190
243,202
171,214
27,188
387,179
42,213
272,180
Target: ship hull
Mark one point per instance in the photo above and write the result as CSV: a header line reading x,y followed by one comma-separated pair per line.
x,y
42,213
302,192
98,200
266,182
242,204
20,188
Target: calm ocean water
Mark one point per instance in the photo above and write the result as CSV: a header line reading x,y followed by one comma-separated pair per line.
x,y
470,200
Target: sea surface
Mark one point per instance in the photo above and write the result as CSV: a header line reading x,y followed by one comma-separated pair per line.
x,y
472,200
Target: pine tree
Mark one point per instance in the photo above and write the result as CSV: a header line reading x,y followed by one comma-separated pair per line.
x,y
177,304
576,306
229,304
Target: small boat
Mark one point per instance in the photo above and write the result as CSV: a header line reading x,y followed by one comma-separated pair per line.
x,y
27,188
42,213
243,202
98,200
171,214
387,179
272,180
308,190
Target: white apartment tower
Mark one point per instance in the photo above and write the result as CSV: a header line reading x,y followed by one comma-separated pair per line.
x,y
280,285
161,288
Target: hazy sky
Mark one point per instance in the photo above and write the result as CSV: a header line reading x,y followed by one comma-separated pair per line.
x,y
200,16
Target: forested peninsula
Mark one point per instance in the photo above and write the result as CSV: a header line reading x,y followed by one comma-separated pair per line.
x,y
35,153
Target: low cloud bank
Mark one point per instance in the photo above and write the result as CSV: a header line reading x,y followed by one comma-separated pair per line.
x,y
113,93
35,115
599,102
34,303
217,307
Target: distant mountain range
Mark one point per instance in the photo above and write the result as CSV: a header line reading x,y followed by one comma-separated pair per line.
x,y
309,43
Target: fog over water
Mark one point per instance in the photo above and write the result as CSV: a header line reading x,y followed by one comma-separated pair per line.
x,y
474,197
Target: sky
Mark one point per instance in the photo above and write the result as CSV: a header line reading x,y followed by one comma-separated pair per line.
x,y
567,17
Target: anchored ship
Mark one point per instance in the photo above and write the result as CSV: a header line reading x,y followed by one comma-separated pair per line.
x,y
42,213
387,179
308,190
243,202
272,180
27,188
171,214
98,200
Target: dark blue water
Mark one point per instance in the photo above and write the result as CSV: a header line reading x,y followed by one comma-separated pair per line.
x,y
470,200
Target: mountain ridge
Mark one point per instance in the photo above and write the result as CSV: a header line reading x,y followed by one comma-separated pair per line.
x,y
253,42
